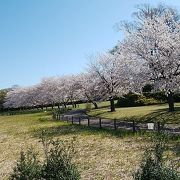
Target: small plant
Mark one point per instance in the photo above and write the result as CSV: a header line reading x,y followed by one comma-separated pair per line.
x,y
57,163
153,165
27,167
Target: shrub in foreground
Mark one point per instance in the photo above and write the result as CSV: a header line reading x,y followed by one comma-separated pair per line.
x,y
57,163
28,166
153,165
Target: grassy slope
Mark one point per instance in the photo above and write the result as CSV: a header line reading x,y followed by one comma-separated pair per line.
x,y
101,154
143,113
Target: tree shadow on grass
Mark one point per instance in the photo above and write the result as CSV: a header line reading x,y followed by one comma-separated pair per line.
x,y
163,115
73,129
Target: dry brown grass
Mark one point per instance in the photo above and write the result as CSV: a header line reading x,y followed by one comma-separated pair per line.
x,y
100,154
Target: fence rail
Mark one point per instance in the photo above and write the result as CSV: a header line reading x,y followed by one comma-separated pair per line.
x,y
117,124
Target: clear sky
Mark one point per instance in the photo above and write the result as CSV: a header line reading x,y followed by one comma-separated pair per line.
x,y
41,38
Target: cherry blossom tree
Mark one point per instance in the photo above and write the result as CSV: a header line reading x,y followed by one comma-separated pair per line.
x,y
47,91
89,87
73,89
109,71
153,45
19,97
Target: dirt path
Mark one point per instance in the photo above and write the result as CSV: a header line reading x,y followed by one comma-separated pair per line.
x,y
80,117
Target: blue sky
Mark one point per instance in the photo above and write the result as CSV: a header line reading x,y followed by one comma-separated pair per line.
x,y
41,38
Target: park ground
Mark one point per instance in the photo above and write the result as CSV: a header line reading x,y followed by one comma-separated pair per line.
x,y
101,154
145,113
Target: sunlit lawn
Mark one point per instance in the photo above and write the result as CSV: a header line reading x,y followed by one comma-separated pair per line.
x,y
143,113
100,104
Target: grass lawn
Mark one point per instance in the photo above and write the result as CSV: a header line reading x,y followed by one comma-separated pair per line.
x,y
101,154
143,113
102,104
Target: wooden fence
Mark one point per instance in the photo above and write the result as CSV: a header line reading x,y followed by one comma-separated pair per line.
x,y
117,124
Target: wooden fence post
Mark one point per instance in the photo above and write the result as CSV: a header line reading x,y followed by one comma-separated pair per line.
x,y
88,121
158,126
134,127
79,120
115,127
100,126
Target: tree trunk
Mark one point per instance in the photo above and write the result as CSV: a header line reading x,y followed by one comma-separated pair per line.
x,y
112,105
72,103
65,105
171,101
95,105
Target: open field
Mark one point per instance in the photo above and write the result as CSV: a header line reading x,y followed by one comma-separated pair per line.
x,y
100,154
142,113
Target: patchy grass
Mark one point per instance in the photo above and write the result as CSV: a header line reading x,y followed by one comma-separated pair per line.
x,y
143,113
101,154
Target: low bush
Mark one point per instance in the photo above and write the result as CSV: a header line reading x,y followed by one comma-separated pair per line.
x,y
177,97
57,163
147,88
28,166
160,95
132,99
153,165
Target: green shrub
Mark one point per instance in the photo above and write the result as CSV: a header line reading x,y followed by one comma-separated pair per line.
x,y
153,165
177,97
132,99
57,163
27,167
160,95
148,88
